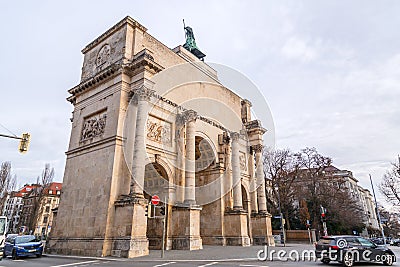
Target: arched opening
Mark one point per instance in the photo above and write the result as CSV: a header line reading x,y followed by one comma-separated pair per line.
x,y
155,183
245,199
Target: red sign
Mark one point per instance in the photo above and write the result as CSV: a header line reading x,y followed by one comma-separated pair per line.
x,y
155,200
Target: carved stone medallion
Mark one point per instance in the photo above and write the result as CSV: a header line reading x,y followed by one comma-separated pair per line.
x,y
104,55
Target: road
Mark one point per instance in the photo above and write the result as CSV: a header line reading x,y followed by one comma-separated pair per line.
x,y
210,256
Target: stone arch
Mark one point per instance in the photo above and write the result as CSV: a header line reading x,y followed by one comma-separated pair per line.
x,y
156,182
245,198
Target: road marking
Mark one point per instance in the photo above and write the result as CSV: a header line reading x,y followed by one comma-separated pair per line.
x,y
208,264
167,263
248,265
76,263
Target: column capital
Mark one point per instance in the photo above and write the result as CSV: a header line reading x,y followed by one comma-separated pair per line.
x,y
257,148
189,115
144,92
235,136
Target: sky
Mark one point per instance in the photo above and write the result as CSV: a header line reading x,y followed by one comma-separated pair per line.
x,y
329,70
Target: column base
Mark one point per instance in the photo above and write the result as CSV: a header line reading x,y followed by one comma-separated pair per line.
x,y
262,229
185,228
236,228
129,238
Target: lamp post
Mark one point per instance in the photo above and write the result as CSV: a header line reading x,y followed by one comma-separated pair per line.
x,y
377,212
281,217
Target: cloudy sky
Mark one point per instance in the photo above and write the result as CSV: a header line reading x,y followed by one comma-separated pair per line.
x,y
330,70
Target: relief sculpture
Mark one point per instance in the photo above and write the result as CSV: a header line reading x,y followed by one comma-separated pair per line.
x,y
94,126
158,130
242,160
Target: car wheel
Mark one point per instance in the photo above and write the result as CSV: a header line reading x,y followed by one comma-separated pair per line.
x,y
325,261
14,255
39,255
388,260
348,259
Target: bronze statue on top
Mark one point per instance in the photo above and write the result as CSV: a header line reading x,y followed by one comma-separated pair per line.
x,y
190,43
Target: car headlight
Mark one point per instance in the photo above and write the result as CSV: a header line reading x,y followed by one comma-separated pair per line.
x,y
20,247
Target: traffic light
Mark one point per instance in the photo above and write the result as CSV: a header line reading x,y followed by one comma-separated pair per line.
x,y
147,211
162,210
24,143
323,214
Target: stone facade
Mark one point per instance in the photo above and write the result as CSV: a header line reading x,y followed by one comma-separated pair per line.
x,y
137,131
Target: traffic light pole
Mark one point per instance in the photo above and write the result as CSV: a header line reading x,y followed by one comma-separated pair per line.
x,y
24,141
10,136
164,227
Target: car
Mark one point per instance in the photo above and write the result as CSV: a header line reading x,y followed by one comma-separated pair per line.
x,y
395,242
23,245
350,249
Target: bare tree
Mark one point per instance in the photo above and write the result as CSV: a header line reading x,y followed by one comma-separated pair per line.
x,y
320,186
7,182
390,185
36,197
280,167
304,214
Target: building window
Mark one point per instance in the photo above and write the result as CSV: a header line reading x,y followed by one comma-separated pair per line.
x,y
45,219
47,209
50,192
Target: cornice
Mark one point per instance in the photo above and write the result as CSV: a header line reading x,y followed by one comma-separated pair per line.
x,y
142,59
127,20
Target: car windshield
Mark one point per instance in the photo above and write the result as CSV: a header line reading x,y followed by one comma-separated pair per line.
x,y
25,239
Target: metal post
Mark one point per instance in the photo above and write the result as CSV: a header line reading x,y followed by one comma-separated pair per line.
x,y
325,228
280,212
377,212
164,227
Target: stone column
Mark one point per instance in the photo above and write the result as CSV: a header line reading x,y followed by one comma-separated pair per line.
x,y
237,181
253,184
229,184
262,200
143,95
180,168
190,163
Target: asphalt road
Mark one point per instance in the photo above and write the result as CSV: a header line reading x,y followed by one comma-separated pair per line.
x,y
210,256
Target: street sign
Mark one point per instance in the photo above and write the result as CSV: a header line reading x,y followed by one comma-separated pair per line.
x,y
155,200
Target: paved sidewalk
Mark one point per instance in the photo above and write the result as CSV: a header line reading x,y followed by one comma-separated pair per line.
x,y
220,253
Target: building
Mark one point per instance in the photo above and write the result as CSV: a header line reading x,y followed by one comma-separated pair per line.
x,y
13,207
151,120
21,205
333,178
50,201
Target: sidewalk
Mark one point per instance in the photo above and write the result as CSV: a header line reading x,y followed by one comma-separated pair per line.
x,y
219,253
208,253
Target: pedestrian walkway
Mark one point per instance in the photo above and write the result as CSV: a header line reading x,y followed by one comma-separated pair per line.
x,y
219,253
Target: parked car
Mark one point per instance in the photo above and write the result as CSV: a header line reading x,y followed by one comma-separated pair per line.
x,y
379,240
395,242
350,249
23,245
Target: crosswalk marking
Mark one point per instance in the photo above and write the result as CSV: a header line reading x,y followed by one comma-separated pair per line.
x,y
76,263
209,264
167,263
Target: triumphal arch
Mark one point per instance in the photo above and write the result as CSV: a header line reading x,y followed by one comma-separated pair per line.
x,y
149,120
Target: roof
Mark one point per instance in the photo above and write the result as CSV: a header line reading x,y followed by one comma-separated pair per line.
x,y
53,187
